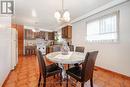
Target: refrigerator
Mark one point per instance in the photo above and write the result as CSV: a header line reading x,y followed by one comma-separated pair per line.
x,y
14,48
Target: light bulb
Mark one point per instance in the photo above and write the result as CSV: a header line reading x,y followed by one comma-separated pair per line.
x,y
34,13
66,16
68,19
57,15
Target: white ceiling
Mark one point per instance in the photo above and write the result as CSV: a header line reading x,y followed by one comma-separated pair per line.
x,y
45,10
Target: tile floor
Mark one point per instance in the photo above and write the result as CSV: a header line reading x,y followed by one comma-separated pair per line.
x,y
27,72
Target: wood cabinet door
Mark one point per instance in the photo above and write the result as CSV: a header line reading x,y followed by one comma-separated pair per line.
x,y
64,32
42,35
51,35
67,32
63,36
20,29
29,34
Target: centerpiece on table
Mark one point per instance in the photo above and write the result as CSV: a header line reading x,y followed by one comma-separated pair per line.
x,y
65,48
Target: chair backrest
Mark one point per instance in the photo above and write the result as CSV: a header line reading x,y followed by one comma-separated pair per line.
x,y
42,65
71,47
42,49
56,48
79,49
88,65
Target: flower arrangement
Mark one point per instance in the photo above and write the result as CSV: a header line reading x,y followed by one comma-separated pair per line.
x,y
65,48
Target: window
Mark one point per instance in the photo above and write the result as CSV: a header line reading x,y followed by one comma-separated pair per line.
x,y
103,28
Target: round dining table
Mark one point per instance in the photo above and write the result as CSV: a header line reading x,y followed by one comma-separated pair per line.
x,y
61,59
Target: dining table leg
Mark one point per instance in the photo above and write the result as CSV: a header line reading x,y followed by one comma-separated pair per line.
x,y
63,70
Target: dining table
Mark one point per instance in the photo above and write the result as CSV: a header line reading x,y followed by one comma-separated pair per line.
x,y
61,59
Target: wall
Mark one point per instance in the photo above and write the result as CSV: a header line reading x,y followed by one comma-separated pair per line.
x,y
5,54
5,47
112,56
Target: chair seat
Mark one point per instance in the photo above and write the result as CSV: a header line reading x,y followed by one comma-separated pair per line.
x,y
86,72
75,72
52,69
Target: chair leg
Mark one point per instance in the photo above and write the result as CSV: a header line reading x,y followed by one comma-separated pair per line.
x,y
57,75
61,78
54,77
44,84
67,81
82,84
91,82
39,80
68,66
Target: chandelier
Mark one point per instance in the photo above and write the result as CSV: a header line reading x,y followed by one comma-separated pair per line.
x,y
62,15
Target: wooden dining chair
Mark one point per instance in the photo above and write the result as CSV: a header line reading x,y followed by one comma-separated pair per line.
x,y
47,71
56,48
71,47
79,49
86,72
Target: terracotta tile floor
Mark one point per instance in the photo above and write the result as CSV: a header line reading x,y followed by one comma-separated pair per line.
x,y
27,72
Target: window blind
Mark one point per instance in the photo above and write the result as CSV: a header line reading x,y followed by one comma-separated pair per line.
x,y
103,29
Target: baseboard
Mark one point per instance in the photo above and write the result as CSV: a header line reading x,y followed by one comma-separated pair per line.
x,y
6,78
124,76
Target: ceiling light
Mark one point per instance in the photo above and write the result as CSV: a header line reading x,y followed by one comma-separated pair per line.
x,y
34,13
62,15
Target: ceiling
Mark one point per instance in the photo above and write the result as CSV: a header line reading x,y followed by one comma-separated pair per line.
x,y
45,10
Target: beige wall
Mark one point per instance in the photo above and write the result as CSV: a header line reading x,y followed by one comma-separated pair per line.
x,y
112,56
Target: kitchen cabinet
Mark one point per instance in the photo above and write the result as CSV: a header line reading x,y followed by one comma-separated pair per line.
x,y
30,35
67,32
20,30
30,50
51,35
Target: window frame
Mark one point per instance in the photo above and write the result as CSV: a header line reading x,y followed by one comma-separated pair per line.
x,y
117,13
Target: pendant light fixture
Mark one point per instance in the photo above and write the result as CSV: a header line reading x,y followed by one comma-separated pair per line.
x,y
62,15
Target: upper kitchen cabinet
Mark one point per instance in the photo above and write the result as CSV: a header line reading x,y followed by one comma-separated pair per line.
x,y
51,35
67,32
30,35
42,34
